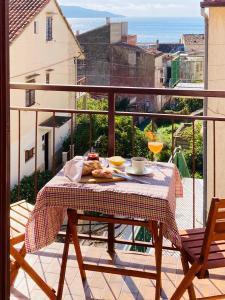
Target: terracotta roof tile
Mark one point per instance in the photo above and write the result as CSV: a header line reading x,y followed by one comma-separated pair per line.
x,y
21,12
211,3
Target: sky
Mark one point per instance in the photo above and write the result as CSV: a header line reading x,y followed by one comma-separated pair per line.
x,y
151,8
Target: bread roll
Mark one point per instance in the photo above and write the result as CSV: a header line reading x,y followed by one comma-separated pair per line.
x,y
102,173
90,166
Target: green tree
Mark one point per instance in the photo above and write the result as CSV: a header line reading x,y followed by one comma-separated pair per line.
x,y
183,106
187,134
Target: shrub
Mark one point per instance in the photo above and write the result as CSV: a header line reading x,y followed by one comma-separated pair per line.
x,y
27,191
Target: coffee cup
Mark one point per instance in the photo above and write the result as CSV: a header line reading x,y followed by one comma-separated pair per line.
x,y
138,164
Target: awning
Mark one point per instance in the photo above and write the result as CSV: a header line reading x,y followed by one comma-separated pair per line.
x,y
56,121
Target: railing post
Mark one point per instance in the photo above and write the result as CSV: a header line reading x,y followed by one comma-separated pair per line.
x,y
111,124
35,158
19,153
111,152
193,172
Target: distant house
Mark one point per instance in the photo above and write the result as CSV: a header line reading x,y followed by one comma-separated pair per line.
x,y
193,42
42,50
187,68
113,58
170,48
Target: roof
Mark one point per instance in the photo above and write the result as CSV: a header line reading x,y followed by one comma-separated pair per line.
x,y
21,13
190,85
128,46
213,3
154,52
56,121
190,39
171,47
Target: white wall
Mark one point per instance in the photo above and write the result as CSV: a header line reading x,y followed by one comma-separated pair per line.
x,y
216,107
31,54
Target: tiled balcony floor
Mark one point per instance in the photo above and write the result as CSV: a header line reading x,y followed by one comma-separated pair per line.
x,y
107,286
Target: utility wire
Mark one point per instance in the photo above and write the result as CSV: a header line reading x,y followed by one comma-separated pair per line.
x,y
42,68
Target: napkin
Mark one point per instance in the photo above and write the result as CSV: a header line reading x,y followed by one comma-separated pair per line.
x,y
73,169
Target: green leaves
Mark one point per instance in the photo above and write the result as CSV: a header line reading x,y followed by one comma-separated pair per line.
x,y
27,188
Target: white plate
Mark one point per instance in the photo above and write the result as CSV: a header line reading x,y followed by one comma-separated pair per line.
x,y
130,170
121,167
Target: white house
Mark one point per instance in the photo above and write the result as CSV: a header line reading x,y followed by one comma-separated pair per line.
x,y
43,49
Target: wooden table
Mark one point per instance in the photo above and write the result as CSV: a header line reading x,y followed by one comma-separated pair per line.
x,y
154,227
150,205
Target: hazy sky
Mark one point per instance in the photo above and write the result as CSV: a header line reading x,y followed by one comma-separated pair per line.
x,y
189,8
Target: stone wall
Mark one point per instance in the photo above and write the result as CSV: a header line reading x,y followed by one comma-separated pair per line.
x,y
96,46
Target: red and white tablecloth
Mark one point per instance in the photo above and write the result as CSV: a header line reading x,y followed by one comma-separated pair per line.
x,y
154,201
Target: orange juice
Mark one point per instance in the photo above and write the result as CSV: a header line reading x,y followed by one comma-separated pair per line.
x,y
155,147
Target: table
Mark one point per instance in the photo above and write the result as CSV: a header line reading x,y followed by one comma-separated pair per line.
x,y
154,203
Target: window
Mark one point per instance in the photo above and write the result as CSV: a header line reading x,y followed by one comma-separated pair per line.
x,y
132,58
29,154
49,29
47,75
35,27
30,95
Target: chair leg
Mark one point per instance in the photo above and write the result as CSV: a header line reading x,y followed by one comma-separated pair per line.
x,y
63,265
191,291
187,280
72,221
30,271
16,266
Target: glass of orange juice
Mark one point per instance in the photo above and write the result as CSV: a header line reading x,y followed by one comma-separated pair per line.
x,y
155,144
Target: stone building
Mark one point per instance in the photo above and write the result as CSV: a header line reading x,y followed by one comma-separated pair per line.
x,y
113,58
193,42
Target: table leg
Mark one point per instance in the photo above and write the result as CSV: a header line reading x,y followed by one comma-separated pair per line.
x,y
63,265
111,238
158,239
72,222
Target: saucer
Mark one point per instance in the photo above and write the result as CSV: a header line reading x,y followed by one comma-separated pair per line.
x,y
147,171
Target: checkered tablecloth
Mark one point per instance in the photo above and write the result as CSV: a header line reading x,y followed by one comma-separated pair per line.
x,y
154,201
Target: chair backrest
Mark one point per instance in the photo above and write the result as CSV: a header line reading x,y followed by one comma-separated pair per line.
x,y
215,228
19,214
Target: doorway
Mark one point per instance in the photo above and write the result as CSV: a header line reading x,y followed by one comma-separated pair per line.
x,y
45,145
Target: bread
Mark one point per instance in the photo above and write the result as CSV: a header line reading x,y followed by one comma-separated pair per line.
x,y
90,166
103,173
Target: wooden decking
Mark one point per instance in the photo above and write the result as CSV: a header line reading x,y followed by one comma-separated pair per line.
x,y
107,286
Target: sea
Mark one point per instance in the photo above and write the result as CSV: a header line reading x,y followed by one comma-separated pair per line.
x,y
148,30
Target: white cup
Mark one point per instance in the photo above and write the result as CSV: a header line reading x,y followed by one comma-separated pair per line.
x,y
138,164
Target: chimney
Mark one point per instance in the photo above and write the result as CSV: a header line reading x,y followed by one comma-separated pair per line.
x,y
77,32
107,20
157,44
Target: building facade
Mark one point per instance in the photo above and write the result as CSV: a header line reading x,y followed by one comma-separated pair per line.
x,y
113,58
193,42
42,50
214,13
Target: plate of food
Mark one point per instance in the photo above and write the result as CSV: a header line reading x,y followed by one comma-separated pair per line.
x,y
95,172
118,162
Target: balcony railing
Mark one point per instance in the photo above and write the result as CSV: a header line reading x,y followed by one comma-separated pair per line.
x,y
111,92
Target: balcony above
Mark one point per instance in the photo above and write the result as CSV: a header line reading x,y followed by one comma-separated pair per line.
x,y
212,3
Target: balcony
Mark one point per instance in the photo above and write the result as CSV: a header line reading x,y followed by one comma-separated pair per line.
x,y
106,286
190,213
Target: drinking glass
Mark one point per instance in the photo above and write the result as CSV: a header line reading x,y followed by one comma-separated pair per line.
x,y
155,144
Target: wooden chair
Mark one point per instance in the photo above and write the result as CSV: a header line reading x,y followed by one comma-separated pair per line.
x,y
204,249
19,214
